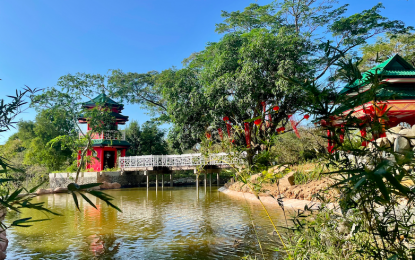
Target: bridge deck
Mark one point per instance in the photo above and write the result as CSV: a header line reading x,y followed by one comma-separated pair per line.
x,y
177,162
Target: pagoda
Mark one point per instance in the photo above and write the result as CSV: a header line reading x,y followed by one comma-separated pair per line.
x,y
396,92
107,143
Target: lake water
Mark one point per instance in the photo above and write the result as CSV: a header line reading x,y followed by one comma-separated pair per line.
x,y
173,223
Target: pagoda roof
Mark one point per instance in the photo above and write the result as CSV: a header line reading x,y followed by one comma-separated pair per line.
x,y
121,119
102,98
393,67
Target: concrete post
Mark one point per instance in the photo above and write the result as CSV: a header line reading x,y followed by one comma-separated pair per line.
x,y
162,180
157,181
205,182
210,179
171,179
217,179
148,183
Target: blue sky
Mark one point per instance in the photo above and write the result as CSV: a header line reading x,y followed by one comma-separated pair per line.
x,y
43,40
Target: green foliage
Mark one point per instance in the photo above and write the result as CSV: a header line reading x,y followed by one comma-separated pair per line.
x,y
145,140
302,176
386,46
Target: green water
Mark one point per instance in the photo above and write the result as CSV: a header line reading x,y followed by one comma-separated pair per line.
x,y
173,223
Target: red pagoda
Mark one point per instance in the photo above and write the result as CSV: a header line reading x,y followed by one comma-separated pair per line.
x,y
400,78
107,143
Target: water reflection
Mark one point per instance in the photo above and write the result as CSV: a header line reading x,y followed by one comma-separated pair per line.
x,y
170,223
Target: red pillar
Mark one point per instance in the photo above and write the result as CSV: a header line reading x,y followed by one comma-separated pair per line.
x,y
330,142
123,152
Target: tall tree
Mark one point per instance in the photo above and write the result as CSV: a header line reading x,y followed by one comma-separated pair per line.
x,y
387,46
145,140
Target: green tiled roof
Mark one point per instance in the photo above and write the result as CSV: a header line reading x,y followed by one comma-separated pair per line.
x,y
102,98
114,114
394,66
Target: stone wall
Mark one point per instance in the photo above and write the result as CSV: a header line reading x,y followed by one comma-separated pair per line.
x,y
61,180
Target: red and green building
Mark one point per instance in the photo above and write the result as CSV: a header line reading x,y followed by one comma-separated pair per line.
x,y
396,95
107,144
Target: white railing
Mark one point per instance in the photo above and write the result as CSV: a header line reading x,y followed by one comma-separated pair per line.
x,y
107,135
194,159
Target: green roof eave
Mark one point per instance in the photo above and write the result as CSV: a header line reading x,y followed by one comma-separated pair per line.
x,y
381,69
102,98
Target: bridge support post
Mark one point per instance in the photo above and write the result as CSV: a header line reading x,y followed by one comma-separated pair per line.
x,y
197,178
157,181
205,182
210,179
148,183
162,180
217,179
171,179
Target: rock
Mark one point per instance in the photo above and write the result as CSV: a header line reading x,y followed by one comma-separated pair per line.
x,y
391,137
288,179
255,177
408,168
60,190
344,227
2,255
383,142
115,185
406,132
412,142
395,129
105,185
401,144
43,191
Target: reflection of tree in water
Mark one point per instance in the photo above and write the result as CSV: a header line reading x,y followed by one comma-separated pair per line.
x,y
101,246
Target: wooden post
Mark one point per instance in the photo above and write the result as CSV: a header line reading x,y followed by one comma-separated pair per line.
x,y
171,179
162,180
217,179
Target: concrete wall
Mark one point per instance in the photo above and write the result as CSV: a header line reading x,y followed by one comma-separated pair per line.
x,y
126,179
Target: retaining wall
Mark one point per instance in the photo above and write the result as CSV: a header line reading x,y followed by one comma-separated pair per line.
x,y
62,180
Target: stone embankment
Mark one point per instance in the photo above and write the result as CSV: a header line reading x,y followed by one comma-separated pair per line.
x,y
105,185
399,138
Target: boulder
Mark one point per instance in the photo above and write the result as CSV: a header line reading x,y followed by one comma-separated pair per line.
x,y
115,185
43,191
391,137
287,180
401,144
395,129
383,142
60,190
406,132
105,185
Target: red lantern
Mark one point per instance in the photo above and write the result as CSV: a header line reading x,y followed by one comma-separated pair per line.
x,y
323,122
208,135
282,129
276,108
258,122
225,118
306,117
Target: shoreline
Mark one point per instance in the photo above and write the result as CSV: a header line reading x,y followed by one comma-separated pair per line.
x,y
267,200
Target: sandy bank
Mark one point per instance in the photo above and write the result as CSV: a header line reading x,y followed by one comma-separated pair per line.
x,y
269,201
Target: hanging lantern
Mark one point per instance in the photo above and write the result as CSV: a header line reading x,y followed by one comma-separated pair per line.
x,y
306,117
208,135
323,122
225,118
282,129
276,108
258,122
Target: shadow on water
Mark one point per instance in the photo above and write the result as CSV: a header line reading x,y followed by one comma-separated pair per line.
x,y
170,223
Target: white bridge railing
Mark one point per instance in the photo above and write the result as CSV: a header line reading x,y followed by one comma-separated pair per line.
x,y
194,159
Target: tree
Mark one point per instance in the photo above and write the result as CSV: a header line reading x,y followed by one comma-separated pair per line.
x,y
386,46
145,140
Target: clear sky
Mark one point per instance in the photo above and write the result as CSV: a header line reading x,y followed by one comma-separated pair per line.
x,y
43,40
